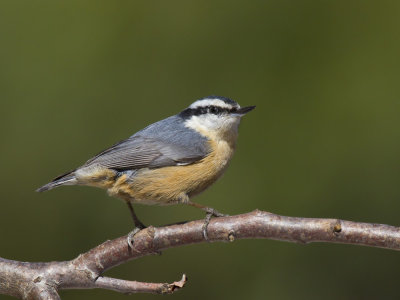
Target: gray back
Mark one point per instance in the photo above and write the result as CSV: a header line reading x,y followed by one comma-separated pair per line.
x,y
165,143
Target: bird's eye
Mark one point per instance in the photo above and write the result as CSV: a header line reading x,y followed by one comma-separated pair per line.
x,y
215,110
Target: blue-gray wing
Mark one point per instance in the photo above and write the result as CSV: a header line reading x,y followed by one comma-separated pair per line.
x,y
165,143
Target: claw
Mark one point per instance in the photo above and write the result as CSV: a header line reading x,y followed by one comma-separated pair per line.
x,y
205,225
211,212
131,236
214,212
138,225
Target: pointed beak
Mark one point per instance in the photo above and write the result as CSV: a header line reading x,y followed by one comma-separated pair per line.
x,y
244,110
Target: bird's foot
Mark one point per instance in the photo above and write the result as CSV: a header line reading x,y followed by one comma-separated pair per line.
x,y
211,212
132,234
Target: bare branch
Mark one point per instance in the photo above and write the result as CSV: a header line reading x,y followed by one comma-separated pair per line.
x,y
42,280
129,287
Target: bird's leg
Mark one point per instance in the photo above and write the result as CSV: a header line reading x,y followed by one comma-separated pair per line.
x,y
138,224
136,221
210,212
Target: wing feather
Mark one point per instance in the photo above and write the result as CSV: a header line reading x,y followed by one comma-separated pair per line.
x,y
165,143
142,152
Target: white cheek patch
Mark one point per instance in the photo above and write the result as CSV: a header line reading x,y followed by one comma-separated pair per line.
x,y
203,123
211,102
212,124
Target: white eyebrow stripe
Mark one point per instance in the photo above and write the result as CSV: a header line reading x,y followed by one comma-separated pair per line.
x,y
210,102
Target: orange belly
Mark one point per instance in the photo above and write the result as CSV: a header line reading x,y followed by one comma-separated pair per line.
x,y
171,185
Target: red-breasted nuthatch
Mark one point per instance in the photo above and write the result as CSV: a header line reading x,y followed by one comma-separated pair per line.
x,y
167,162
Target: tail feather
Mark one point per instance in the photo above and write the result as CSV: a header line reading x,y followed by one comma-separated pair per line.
x,y
65,179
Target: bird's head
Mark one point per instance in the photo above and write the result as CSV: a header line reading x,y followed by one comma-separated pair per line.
x,y
215,116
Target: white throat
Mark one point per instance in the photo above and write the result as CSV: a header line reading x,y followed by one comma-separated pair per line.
x,y
215,127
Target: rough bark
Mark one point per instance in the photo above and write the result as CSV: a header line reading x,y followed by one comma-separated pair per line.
x,y
42,280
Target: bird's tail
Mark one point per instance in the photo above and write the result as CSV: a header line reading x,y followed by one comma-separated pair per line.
x,y
64,179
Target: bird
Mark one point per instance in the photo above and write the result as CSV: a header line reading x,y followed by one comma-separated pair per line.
x,y
168,162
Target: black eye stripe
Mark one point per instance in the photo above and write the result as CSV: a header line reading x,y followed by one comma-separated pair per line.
x,y
211,109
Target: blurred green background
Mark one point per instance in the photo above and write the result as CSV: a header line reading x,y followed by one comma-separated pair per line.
x,y
324,141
